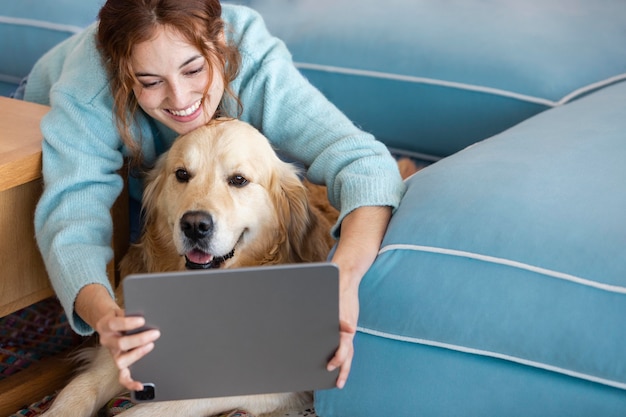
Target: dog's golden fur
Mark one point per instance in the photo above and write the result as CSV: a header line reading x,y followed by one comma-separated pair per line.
x,y
220,197
268,220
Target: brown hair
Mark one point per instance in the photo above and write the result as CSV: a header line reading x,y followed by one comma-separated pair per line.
x,y
125,23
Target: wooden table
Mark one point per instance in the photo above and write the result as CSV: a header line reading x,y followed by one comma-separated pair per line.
x,y
23,278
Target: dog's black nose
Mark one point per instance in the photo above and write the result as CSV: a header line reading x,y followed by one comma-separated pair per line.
x,y
196,224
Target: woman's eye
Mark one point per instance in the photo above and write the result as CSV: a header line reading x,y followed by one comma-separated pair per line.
x,y
182,175
195,71
150,84
237,181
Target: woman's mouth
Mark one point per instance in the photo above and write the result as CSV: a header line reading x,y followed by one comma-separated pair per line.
x,y
187,114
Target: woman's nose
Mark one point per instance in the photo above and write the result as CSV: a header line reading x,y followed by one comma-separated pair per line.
x,y
177,95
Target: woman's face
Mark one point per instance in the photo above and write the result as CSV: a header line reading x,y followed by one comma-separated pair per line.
x,y
173,76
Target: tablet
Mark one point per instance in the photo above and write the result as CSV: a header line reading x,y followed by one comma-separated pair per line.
x,y
242,331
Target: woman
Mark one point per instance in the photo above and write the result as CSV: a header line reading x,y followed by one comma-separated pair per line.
x,y
151,70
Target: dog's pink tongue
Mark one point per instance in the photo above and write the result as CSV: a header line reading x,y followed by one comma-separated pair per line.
x,y
199,257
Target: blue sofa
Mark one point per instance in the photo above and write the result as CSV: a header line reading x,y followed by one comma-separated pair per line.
x,y
500,288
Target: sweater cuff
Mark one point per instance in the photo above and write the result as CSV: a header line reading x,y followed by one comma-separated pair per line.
x,y
368,193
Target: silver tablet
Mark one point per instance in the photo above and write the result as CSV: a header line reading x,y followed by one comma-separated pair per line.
x,y
240,331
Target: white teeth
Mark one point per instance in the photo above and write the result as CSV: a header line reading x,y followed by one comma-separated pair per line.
x,y
188,111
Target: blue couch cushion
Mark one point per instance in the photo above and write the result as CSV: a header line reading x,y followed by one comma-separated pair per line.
x,y
29,28
513,249
436,76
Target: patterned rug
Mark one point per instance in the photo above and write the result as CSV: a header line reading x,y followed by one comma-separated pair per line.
x,y
120,404
33,333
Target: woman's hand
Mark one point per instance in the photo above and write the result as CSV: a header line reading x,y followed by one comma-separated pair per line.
x,y
100,311
125,349
362,232
348,318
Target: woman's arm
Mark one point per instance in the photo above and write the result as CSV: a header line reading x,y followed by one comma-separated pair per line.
x,y
303,124
362,232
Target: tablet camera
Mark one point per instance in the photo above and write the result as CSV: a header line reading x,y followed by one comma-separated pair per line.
x,y
146,394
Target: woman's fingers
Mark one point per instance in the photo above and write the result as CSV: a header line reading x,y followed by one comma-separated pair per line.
x,y
125,358
127,382
344,354
137,340
117,324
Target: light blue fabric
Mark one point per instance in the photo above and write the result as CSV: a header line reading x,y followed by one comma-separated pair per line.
x,y
513,249
436,76
413,380
29,28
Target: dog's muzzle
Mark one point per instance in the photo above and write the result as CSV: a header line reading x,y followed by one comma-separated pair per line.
x,y
197,226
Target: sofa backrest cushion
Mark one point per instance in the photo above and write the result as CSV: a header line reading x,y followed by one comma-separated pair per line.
x,y
29,28
436,76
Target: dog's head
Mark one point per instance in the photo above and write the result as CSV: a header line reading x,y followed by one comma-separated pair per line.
x,y
222,197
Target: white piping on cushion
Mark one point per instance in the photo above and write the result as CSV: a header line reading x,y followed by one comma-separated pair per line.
x,y
507,262
40,24
463,86
486,353
591,87
414,155
424,80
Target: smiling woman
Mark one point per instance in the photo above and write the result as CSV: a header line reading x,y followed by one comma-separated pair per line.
x,y
127,87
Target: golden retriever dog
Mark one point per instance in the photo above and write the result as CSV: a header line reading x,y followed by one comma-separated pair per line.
x,y
219,198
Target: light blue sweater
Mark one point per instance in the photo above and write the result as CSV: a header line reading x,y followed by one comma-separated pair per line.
x,y
82,149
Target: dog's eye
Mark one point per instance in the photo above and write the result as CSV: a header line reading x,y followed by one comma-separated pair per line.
x,y
182,175
237,181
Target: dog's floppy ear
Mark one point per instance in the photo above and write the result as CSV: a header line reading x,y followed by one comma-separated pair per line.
x,y
154,252
154,182
138,259
303,236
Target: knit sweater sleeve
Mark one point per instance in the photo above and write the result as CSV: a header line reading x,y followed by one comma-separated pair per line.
x,y
300,122
81,156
